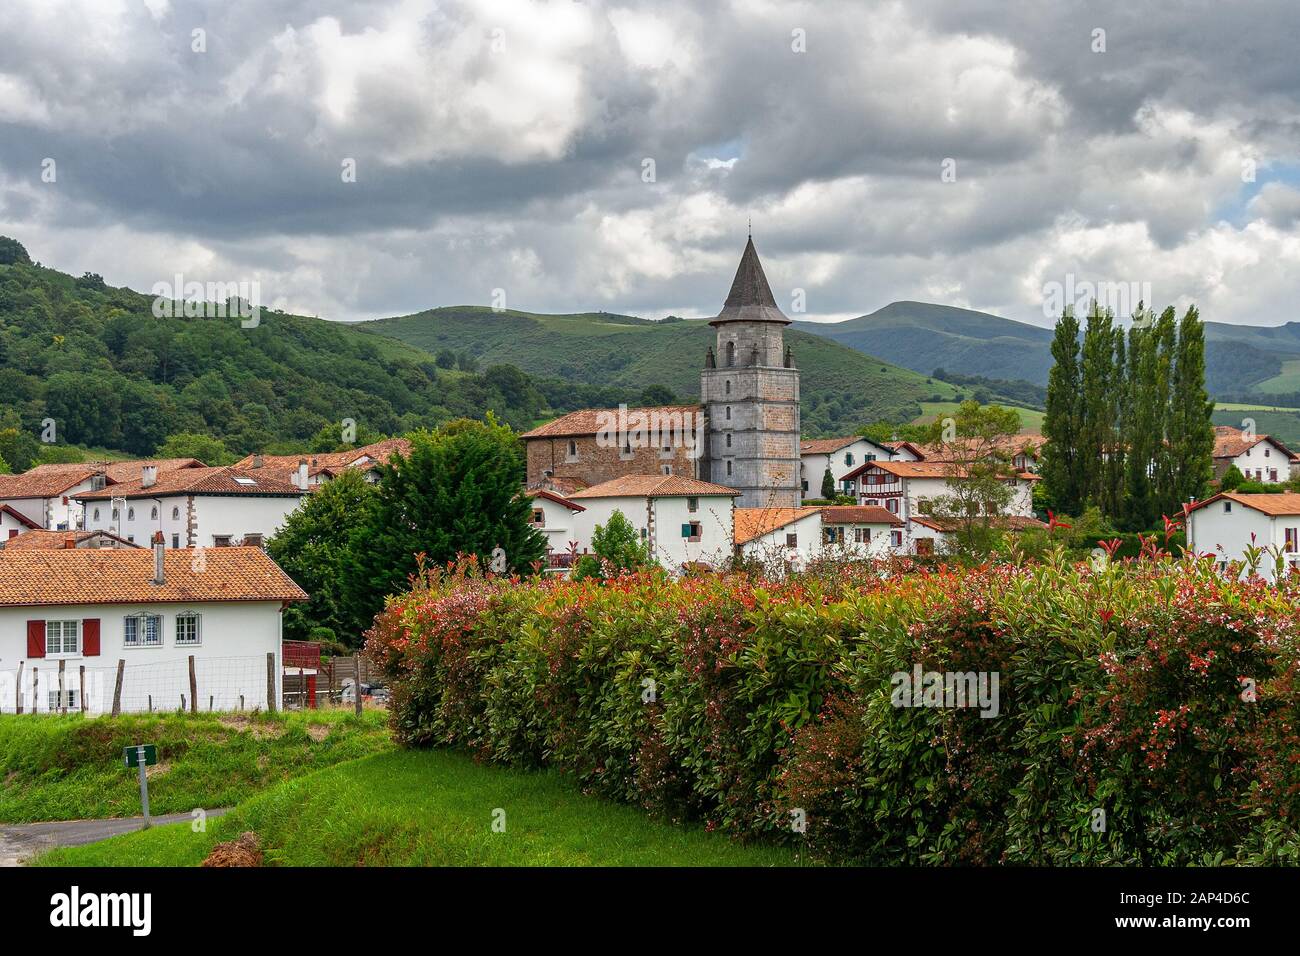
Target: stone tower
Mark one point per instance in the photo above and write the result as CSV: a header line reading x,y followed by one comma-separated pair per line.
x,y
750,392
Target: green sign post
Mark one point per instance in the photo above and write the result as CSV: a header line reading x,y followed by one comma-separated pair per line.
x,y
141,756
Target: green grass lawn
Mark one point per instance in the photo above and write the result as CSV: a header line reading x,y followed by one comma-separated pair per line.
x,y
71,768
430,808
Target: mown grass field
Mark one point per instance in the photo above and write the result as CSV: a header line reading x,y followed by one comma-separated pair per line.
x,y
1031,419
430,808
71,768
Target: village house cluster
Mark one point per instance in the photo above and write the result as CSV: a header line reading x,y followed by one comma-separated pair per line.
x,y
160,562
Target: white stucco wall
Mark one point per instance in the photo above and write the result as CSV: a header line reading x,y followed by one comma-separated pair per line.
x,y
667,546
215,515
1226,534
771,548
230,659
1264,457
557,524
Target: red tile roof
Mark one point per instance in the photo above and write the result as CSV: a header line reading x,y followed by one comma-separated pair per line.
x,y
826,446
589,421
1028,444
123,576
1230,442
46,485
330,462
552,496
753,523
653,486
1274,505
859,514
925,469
198,481
54,540
117,470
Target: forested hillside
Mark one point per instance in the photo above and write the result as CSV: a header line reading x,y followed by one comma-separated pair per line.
x,y
110,375
841,389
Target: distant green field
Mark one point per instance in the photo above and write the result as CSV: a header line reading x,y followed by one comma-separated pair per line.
x,y
841,389
1031,420
1284,425
1288,380
1249,407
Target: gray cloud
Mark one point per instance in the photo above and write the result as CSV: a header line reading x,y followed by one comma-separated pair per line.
x,y
501,145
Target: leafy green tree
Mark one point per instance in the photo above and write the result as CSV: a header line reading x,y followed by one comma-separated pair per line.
x,y
1142,425
828,485
460,491
17,446
1063,467
978,443
86,408
658,395
313,548
446,358
1232,479
1097,423
616,548
330,438
209,450
13,253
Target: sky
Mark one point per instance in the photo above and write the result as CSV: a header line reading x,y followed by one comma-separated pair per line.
x,y
365,158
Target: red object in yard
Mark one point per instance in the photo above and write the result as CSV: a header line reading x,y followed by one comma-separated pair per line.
x,y
311,691
304,654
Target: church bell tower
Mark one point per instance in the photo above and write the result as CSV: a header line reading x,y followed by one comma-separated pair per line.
x,y
750,392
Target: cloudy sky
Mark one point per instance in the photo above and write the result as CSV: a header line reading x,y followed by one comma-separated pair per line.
x,y
584,156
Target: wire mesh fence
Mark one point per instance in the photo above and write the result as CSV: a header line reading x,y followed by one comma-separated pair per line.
x,y
197,683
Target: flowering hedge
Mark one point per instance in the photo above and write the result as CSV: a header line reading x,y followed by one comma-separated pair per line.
x,y
1147,713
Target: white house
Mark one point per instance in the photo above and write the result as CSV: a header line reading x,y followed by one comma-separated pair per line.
x,y
861,531
1258,457
195,507
47,494
14,522
1226,524
840,455
912,488
554,516
683,521
780,539
69,616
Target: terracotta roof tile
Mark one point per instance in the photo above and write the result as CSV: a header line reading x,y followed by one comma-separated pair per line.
x,y
753,523
123,576
46,485
54,540
653,486
826,446
117,470
589,421
284,466
1230,442
859,514
924,469
1275,505
198,481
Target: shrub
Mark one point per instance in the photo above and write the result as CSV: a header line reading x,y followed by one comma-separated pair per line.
x,y
752,704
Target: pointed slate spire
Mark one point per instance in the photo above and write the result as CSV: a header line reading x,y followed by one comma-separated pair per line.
x,y
750,299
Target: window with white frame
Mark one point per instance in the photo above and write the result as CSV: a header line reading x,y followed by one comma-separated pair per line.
x,y
69,700
142,630
62,638
188,630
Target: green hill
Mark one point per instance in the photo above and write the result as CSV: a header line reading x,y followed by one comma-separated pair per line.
x,y
841,389
925,337
1241,360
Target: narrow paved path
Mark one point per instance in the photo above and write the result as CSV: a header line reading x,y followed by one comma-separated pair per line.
x,y
20,841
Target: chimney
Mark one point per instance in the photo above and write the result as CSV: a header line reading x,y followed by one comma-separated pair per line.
x,y
257,461
69,541
301,479
158,549
148,476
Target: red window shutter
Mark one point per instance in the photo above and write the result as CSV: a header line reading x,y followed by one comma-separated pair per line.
x,y
35,638
90,637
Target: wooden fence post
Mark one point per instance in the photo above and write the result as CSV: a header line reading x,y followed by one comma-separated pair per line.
x,y
210,703
117,690
18,695
356,680
63,699
270,681
83,688
194,689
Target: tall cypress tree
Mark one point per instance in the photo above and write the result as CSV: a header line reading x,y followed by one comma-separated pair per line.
x,y
1097,405
1191,433
1164,476
1113,448
1143,430
1063,420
